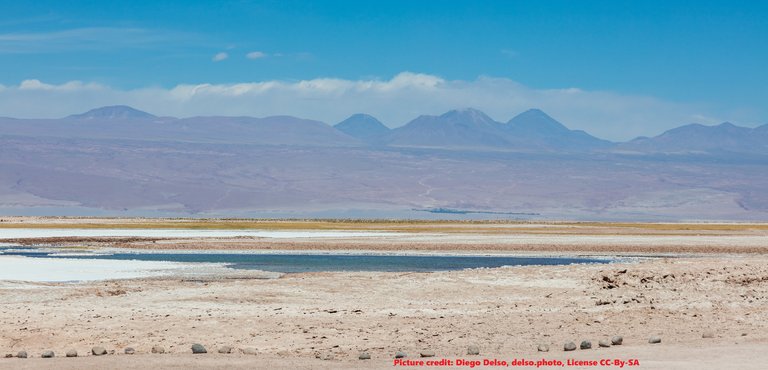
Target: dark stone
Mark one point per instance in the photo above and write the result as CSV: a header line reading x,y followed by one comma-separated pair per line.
x,y
47,354
400,354
130,351
585,344
198,349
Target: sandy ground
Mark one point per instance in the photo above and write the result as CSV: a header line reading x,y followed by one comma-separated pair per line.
x,y
324,320
711,279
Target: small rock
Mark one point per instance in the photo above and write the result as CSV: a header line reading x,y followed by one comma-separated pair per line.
x,y
654,340
585,344
47,354
22,354
708,335
225,350
617,340
198,349
570,346
427,353
400,354
130,351
364,356
473,350
605,343
71,353
98,351
543,348
248,350
158,349
9,355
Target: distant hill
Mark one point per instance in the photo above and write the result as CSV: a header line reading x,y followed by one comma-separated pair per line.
x,y
127,123
693,138
122,112
536,128
364,127
466,128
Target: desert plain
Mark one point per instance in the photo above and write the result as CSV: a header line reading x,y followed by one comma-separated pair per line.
x,y
702,288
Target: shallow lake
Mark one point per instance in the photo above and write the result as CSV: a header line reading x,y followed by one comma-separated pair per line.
x,y
292,263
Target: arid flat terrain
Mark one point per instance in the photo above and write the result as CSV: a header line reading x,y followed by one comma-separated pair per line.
x,y
325,320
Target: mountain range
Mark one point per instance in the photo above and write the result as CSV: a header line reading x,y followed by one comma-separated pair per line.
x,y
121,161
465,129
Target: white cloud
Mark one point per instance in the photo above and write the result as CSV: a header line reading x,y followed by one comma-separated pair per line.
x,y
220,56
255,55
395,101
67,86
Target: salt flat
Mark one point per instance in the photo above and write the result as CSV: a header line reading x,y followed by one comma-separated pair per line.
x,y
63,270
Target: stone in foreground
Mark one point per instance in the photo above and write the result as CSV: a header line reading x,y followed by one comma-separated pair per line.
x,y
617,340
364,356
400,354
248,350
47,354
130,351
98,351
543,348
71,353
225,350
585,344
605,343
473,350
654,340
570,346
22,354
427,353
198,349
158,349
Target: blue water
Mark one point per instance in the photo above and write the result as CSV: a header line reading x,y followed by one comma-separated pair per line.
x,y
292,263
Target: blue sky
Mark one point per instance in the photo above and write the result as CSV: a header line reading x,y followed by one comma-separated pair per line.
x,y
704,58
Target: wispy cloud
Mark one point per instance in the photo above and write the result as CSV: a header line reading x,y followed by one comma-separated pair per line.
x,y
509,53
396,100
89,38
255,55
220,56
